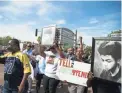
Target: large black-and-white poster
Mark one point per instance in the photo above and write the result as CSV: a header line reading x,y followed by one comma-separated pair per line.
x,y
107,58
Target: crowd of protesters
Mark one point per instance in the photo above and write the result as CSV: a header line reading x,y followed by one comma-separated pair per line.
x,y
32,62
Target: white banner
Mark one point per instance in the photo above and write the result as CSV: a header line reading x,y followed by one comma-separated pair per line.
x,y
48,35
73,71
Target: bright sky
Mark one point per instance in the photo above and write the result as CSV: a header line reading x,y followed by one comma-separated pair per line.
x,y
90,18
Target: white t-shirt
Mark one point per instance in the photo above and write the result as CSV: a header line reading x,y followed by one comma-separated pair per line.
x,y
50,69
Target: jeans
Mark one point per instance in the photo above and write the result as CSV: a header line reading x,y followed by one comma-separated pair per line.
x,y
9,91
30,84
39,78
50,84
6,88
25,87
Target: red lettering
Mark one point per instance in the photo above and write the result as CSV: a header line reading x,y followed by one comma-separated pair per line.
x,y
84,74
75,72
60,62
79,73
68,63
65,63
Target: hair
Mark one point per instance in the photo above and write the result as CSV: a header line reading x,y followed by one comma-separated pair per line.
x,y
16,42
113,49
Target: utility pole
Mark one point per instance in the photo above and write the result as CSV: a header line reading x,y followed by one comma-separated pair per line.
x,y
75,41
36,34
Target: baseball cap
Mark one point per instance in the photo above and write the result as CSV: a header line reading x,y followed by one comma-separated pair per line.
x,y
49,53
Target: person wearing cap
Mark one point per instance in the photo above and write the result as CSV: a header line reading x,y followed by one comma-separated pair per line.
x,y
50,80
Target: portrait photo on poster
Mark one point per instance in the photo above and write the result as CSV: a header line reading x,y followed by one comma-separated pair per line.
x,y
106,58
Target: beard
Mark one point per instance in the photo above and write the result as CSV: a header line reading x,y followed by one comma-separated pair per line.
x,y
12,49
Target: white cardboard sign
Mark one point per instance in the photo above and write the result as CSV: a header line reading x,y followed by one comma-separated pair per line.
x,y
73,71
48,35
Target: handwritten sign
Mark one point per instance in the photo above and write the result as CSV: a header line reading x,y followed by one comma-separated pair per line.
x,y
73,71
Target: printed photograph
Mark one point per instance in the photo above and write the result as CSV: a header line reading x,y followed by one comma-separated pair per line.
x,y
107,60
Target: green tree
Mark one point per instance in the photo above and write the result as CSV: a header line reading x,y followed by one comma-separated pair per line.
x,y
66,46
1,41
88,50
39,39
4,40
115,33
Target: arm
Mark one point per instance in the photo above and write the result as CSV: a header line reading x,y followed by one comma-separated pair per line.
x,y
25,77
89,82
27,71
59,50
81,44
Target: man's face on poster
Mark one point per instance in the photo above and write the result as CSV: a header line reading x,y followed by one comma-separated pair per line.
x,y
108,62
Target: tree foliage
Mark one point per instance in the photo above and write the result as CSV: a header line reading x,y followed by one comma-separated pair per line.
x,y
115,33
39,39
4,40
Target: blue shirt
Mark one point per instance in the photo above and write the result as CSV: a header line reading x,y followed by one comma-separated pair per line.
x,y
41,64
28,52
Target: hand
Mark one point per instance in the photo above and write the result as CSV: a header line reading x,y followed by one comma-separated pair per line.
x,y
90,76
55,44
21,87
64,81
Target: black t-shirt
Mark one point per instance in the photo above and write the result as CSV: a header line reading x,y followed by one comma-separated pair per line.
x,y
103,86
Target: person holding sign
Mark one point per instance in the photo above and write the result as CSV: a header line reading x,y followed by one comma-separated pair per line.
x,y
49,79
72,88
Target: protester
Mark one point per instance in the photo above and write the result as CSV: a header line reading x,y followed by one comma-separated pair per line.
x,y
16,68
50,80
73,88
41,58
70,53
96,85
28,51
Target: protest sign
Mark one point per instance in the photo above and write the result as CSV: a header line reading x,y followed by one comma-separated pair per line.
x,y
73,71
48,35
